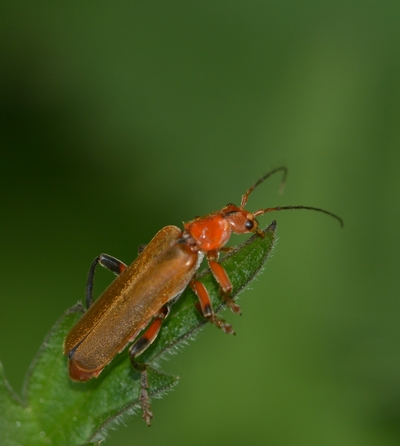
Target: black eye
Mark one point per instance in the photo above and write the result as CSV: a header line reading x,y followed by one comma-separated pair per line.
x,y
249,224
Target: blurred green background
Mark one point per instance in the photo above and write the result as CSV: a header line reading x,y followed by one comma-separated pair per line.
x,y
118,118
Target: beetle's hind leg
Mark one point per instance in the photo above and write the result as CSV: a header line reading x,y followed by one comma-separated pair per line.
x,y
137,349
144,395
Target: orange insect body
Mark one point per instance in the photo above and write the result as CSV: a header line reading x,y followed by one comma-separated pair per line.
x,y
143,292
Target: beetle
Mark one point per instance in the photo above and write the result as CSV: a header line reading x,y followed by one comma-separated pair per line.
x,y
142,294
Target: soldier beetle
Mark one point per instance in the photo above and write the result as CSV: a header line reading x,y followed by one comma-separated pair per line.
x,y
141,295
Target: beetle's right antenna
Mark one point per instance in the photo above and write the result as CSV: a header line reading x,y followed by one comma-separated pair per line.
x,y
245,196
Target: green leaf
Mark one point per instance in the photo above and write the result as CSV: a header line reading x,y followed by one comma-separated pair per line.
x,y
56,411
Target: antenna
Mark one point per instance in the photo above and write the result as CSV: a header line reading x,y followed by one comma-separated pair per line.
x,y
245,197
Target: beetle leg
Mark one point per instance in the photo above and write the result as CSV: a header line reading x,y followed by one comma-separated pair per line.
x,y
137,349
141,248
106,261
221,276
226,249
205,307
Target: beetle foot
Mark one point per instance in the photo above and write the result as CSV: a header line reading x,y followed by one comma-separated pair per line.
x,y
220,323
147,414
230,303
144,399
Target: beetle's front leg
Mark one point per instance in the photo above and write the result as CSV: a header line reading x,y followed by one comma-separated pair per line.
x,y
108,262
221,276
205,307
137,349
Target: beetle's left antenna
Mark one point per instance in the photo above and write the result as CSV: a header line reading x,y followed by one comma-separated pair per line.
x,y
245,196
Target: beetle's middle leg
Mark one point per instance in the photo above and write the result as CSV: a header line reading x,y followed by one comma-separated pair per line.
x,y
137,349
108,262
